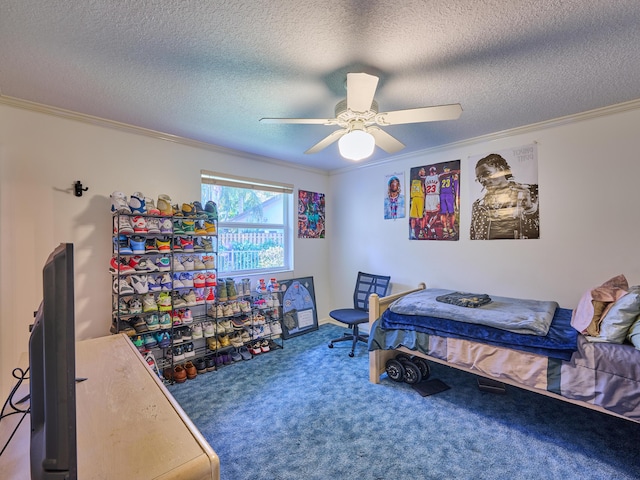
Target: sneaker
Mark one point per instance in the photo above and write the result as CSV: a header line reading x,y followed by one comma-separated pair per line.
x,y
135,305
177,265
199,228
138,342
139,224
151,206
139,283
209,329
264,346
276,329
212,343
255,348
199,280
196,331
209,296
166,226
209,262
178,302
200,212
153,322
145,265
189,351
207,245
231,289
198,264
188,210
187,317
166,283
210,362
176,281
165,321
186,334
221,291
137,203
197,245
175,245
179,374
139,325
149,303
138,245
122,287
164,302
178,353
210,228
164,340
190,298
224,341
163,245
118,265
188,263
121,245
177,227
186,244
189,227
122,225
235,356
199,297
187,279
123,307
149,341
153,226
119,203
210,280
164,205
236,340
201,365
163,264
212,210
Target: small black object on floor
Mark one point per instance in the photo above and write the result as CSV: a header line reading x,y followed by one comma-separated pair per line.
x,y
430,387
492,386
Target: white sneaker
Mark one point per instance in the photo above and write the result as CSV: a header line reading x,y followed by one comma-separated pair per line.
x,y
135,306
177,266
198,264
176,281
178,302
154,285
139,224
140,283
149,303
146,266
276,329
196,331
188,263
166,226
190,298
137,203
119,203
151,206
121,286
153,225
210,262
122,225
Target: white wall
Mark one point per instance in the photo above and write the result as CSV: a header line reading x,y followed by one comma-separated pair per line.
x,y
589,198
42,155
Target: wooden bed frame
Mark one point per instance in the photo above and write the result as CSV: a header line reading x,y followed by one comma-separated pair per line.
x,y
378,358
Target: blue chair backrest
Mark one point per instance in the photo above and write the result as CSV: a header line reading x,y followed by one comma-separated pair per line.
x,y
366,285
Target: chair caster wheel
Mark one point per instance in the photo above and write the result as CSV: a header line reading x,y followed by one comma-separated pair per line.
x,y
330,345
351,354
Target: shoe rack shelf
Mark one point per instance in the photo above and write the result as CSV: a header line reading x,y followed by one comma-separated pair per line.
x,y
168,299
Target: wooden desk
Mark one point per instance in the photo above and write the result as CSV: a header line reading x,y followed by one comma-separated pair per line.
x,y
128,425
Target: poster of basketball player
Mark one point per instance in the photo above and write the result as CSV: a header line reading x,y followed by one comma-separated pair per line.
x,y
434,209
505,194
394,197
310,214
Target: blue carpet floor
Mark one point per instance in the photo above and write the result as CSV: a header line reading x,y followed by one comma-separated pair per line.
x,y
309,412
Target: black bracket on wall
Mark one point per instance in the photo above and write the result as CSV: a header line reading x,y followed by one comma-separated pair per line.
x,y
77,188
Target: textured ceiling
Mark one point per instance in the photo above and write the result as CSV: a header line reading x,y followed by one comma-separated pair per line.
x,y
208,71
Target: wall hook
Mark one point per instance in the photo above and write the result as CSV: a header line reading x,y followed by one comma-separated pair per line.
x,y
78,188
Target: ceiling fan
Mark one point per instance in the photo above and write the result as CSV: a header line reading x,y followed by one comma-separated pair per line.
x,y
360,120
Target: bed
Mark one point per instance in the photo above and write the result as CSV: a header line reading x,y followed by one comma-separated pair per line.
x,y
569,365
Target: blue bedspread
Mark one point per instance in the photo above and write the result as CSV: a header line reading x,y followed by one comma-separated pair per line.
x,y
560,341
516,315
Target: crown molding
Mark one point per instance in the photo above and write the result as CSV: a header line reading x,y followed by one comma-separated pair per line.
x,y
125,127
534,127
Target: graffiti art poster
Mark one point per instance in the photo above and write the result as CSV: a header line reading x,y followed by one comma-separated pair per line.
x,y
394,198
434,203
310,214
505,195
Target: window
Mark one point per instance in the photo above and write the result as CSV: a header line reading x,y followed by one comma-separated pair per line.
x,y
254,223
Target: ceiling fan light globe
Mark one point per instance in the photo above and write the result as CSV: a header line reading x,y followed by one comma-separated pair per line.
x,y
356,145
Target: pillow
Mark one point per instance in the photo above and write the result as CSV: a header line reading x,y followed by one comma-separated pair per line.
x,y
610,291
600,309
617,322
634,334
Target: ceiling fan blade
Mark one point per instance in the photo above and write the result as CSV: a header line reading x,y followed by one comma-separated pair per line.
x,y
326,141
361,87
417,115
310,121
385,141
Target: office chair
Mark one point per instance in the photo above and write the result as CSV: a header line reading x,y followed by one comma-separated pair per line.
x,y
365,286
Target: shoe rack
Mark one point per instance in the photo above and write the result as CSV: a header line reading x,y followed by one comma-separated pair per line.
x,y
163,281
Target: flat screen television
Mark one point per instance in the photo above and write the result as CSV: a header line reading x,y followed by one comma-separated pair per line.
x,y
52,372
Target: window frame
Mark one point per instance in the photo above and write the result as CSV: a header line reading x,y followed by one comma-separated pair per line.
x,y
233,181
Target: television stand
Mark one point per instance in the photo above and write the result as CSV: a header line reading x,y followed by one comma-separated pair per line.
x,y
128,425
